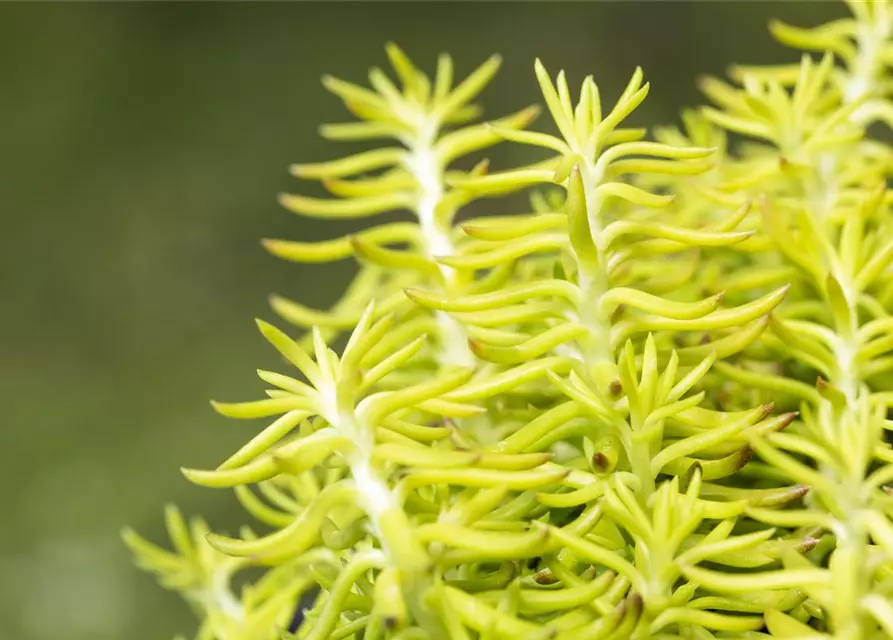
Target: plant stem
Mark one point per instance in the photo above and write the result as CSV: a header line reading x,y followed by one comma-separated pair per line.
x,y
426,168
849,561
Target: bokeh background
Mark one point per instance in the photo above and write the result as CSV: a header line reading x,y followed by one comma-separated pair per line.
x,y
142,149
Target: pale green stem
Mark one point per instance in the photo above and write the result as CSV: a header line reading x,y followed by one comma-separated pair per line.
x,y
852,539
597,353
597,350
386,516
427,170
219,597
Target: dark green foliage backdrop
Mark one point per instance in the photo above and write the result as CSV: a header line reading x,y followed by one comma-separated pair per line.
x,y
142,149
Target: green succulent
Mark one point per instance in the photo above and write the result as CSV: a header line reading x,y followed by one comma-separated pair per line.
x,y
652,406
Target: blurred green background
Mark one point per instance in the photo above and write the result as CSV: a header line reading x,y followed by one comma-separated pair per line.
x,y
143,146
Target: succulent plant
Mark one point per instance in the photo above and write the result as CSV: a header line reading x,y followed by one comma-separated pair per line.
x,y
652,406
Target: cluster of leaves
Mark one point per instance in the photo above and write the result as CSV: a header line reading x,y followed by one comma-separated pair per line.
x,y
652,407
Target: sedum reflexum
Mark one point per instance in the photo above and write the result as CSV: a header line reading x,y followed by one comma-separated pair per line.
x,y
826,219
652,406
